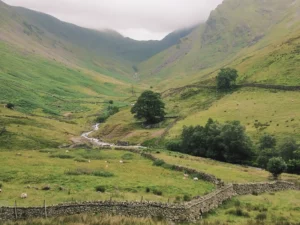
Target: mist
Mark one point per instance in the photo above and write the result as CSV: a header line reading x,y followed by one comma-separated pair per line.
x,y
140,20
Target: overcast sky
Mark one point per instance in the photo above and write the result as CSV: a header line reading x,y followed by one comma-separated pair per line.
x,y
138,19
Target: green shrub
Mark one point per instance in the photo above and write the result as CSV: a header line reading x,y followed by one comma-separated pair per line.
x,y
157,192
79,171
147,190
127,156
150,143
47,150
112,110
83,171
177,199
276,166
101,119
10,106
261,216
238,212
102,174
95,155
293,166
174,145
158,162
62,156
100,188
80,160
187,198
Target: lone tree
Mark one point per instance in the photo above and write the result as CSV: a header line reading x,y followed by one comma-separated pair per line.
x,y
150,107
276,166
226,78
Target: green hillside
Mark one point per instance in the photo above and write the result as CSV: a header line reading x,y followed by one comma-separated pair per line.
x,y
61,79
259,38
49,69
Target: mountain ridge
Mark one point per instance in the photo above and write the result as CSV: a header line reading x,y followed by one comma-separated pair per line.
x,y
233,30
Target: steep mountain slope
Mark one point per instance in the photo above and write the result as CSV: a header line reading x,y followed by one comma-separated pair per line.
x,y
261,39
107,44
236,29
46,54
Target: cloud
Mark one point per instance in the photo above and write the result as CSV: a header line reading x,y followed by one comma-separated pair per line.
x,y
139,19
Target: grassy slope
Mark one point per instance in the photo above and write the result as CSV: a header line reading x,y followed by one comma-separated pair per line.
x,y
51,82
38,169
46,91
87,219
279,208
228,172
252,37
124,127
259,39
277,108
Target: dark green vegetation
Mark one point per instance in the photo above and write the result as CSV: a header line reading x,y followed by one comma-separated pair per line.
x,y
150,107
225,142
229,143
276,166
226,78
110,110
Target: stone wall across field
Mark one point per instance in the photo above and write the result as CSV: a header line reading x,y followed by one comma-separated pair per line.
x,y
190,211
132,209
257,188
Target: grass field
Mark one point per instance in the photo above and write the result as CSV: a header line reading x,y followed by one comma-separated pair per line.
x,y
227,172
123,126
39,130
88,219
278,111
78,177
270,208
266,209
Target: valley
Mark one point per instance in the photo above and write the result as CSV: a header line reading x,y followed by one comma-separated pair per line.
x,y
57,80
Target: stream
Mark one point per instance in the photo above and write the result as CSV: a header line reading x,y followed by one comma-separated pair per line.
x,y
100,143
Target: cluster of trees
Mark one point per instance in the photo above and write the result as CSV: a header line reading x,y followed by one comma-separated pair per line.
x,y
229,142
288,152
226,142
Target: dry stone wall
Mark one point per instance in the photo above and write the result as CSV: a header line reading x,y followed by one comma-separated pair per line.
x,y
132,209
190,211
257,188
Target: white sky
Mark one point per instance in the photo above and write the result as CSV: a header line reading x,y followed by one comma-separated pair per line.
x,y
138,19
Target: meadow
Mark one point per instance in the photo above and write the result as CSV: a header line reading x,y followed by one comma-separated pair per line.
x,y
229,173
74,175
266,209
275,112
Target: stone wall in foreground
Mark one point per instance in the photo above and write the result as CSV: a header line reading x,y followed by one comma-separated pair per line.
x,y
190,211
